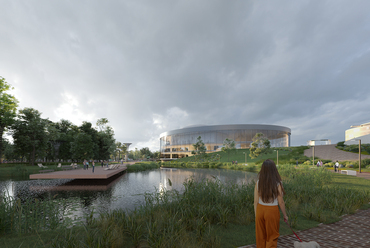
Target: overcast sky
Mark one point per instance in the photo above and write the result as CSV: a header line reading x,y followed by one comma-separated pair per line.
x,y
154,66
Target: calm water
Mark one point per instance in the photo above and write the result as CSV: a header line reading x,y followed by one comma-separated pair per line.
x,y
124,192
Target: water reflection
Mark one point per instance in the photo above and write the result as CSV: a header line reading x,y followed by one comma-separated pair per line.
x,y
124,192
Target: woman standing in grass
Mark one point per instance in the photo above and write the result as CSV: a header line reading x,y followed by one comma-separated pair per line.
x,y
268,194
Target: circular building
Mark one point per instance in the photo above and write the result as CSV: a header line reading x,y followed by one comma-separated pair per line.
x,y
179,143
355,133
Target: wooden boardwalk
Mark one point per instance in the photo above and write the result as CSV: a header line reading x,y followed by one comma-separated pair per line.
x,y
99,173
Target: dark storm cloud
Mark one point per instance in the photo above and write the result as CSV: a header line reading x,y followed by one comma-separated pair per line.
x,y
152,66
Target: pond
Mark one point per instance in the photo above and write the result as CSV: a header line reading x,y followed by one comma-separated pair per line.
x,y
123,192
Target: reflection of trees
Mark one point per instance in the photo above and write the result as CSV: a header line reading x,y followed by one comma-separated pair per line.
x,y
179,176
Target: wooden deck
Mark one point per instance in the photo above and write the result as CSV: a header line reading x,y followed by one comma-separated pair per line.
x,y
99,173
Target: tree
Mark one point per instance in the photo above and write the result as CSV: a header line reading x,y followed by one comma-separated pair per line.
x,y
67,132
260,145
82,147
102,124
8,152
199,147
105,140
146,153
54,142
8,110
135,155
29,134
157,155
228,146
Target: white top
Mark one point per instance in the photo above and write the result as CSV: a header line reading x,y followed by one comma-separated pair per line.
x,y
274,203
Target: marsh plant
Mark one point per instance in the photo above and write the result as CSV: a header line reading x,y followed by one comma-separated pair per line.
x,y
31,215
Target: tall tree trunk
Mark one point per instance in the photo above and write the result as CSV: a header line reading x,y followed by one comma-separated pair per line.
x,y
1,143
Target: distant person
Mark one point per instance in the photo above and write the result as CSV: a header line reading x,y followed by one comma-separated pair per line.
x,y
297,163
321,163
87,165
93,166
268,194
336,166
318,163
84,163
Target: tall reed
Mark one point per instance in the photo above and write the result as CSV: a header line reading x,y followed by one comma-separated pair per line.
x,y
31,215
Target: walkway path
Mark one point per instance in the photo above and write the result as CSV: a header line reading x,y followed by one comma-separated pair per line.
x,y
352,231
332,153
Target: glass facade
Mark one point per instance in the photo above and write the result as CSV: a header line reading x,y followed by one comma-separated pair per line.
x,y
179,143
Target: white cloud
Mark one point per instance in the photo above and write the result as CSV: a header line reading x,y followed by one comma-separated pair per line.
x,y
69,110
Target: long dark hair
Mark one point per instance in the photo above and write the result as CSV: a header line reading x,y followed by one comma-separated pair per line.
x,y
268,181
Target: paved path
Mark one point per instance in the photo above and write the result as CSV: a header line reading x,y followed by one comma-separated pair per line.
x,y
332,153
352,231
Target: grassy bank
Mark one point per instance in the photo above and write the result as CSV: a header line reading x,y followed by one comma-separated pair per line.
x,y
287,155
211,214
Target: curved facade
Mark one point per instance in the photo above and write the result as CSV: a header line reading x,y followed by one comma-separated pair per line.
x,y
355,133
179,143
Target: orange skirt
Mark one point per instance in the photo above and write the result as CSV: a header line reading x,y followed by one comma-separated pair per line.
x,y
267,226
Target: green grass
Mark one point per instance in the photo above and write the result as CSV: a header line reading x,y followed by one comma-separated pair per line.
x,y
350,182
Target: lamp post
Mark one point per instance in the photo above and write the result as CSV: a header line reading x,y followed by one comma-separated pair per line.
x,y
359,155
245,153
313,155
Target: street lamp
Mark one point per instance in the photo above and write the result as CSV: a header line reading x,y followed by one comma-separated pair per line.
x,y
313,155
245,153
359,155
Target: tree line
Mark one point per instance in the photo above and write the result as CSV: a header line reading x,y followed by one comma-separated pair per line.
x,y
35,137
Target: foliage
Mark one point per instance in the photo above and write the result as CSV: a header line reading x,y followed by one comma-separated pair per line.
x,y
82,147
67,133
31,216
105,140
260,145
120,150
228,147
365,148
8,108
8,150
199,147
142,166
29,134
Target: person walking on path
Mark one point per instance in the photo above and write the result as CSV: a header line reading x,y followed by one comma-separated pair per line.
x,y
93,165
87,165
268,194
336,166
84,163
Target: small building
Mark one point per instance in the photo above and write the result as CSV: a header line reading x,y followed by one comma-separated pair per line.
x,y
319,142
